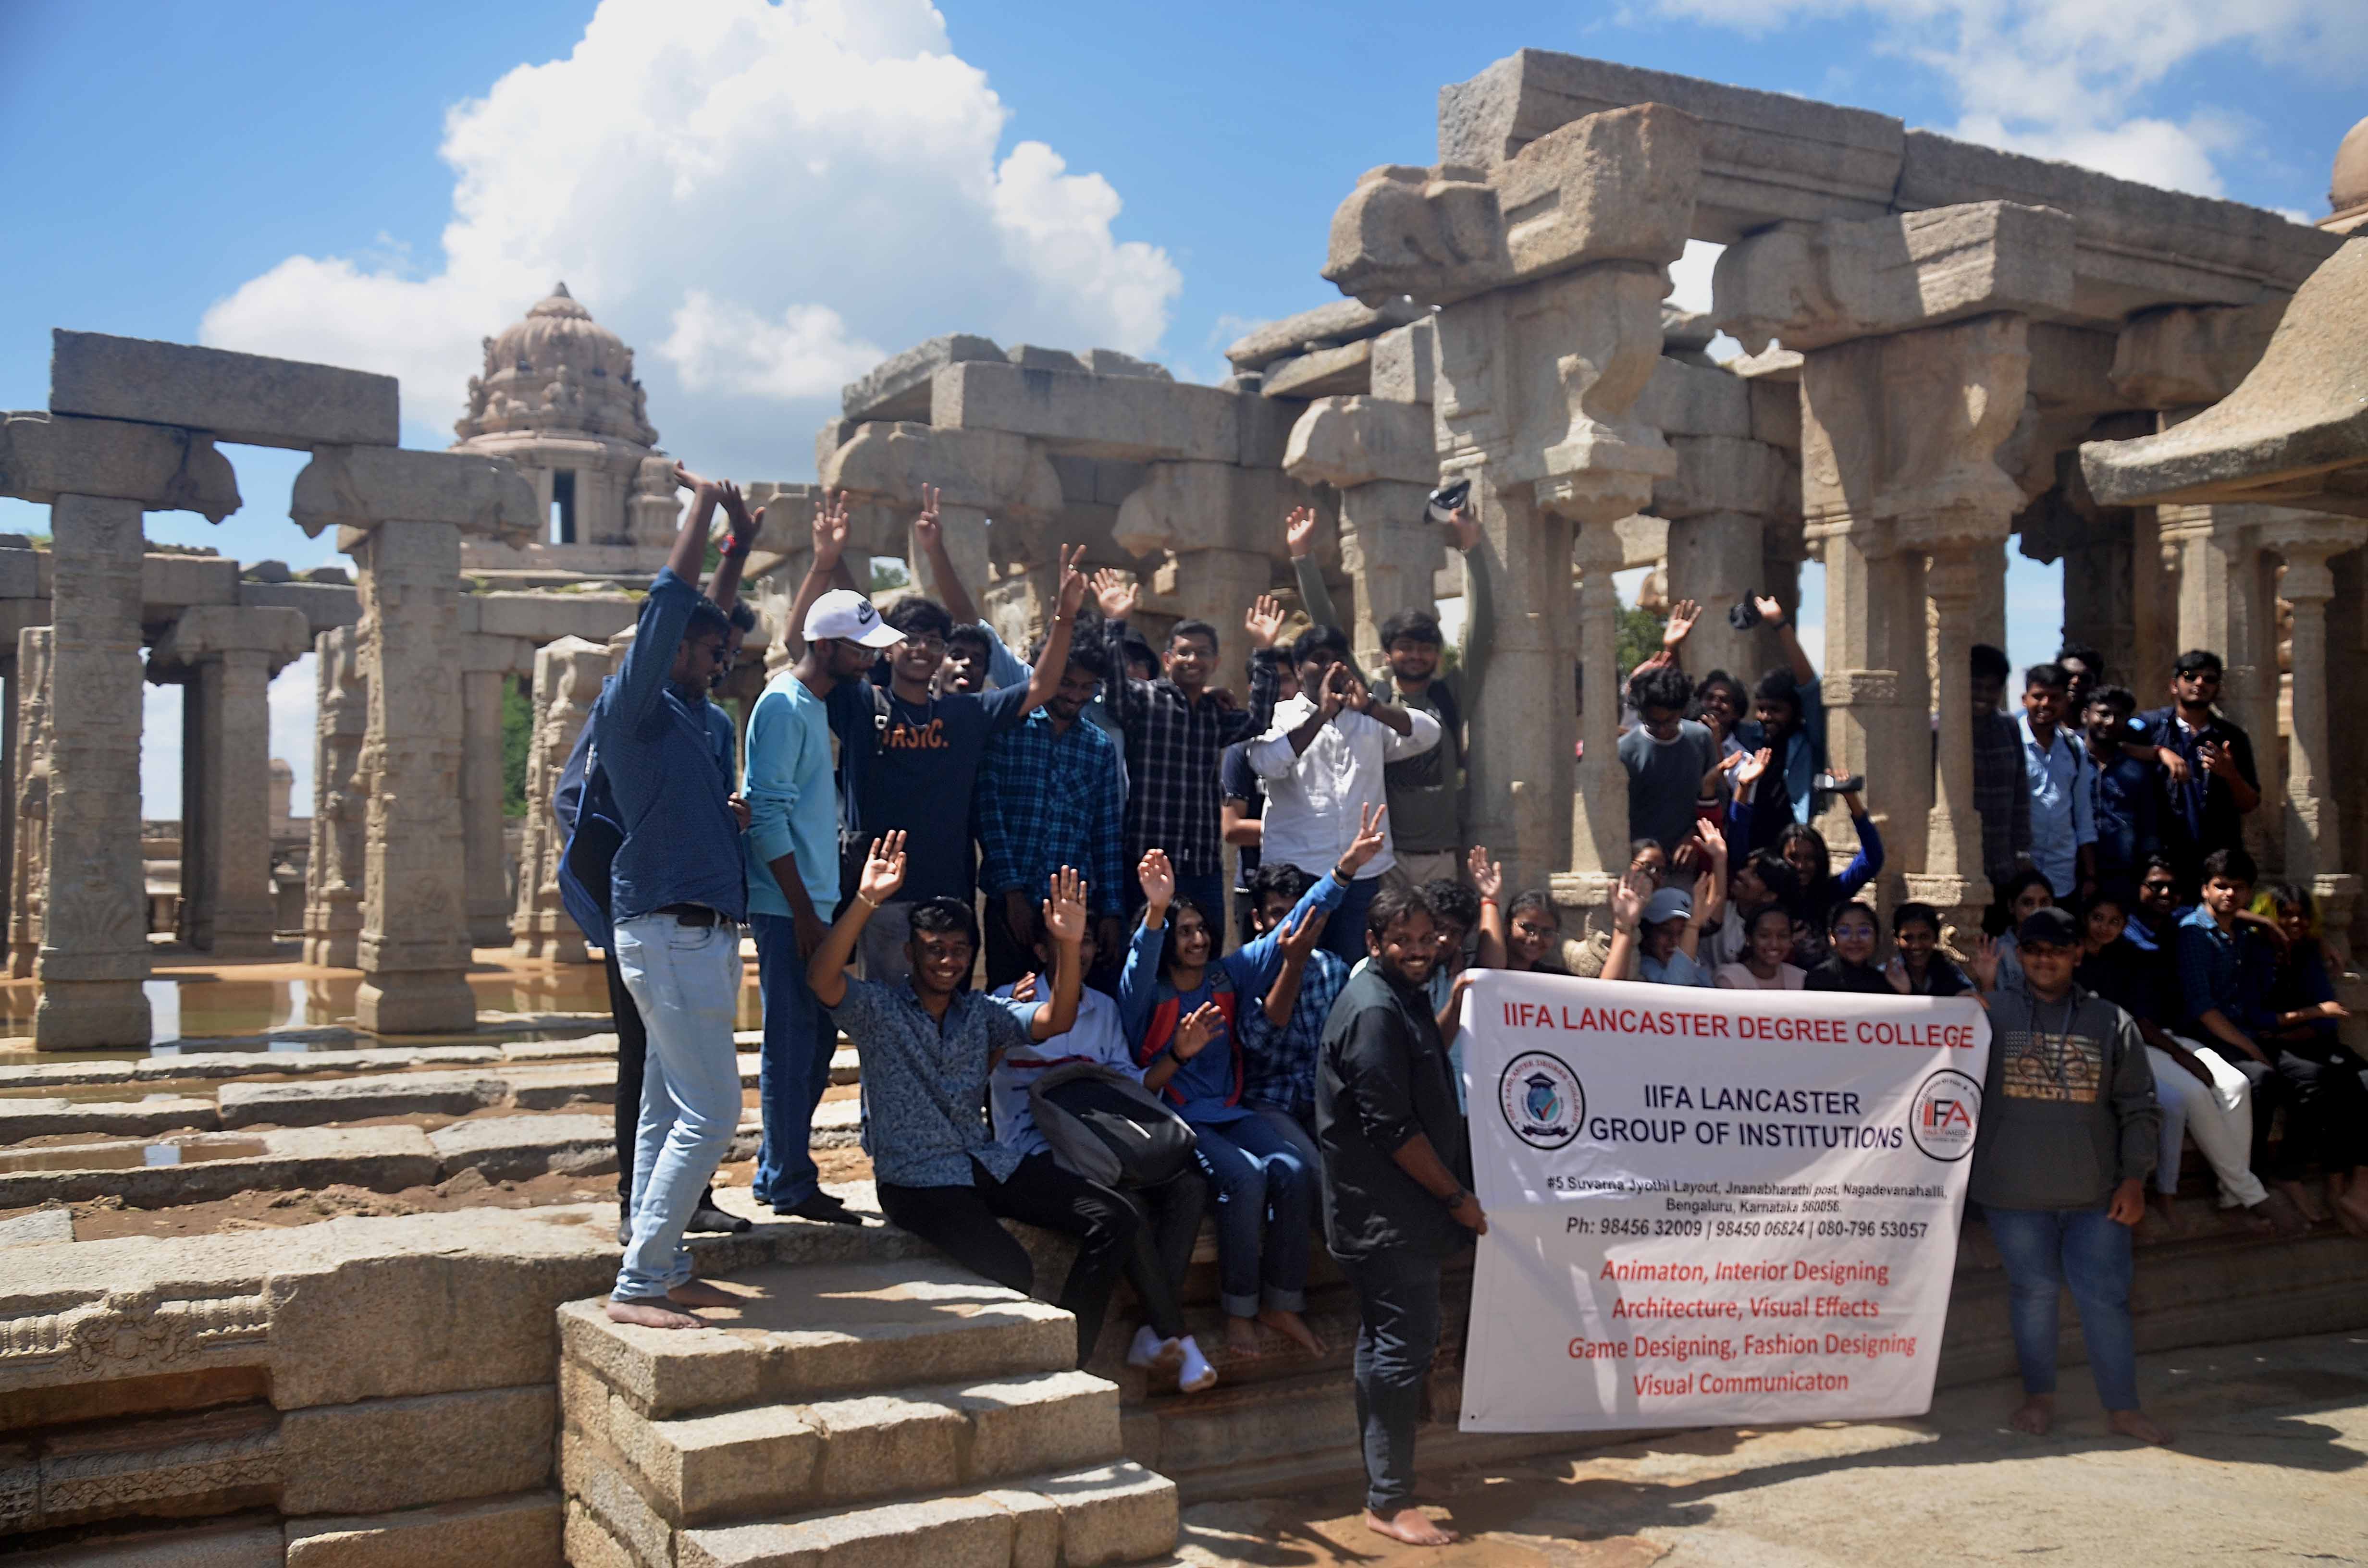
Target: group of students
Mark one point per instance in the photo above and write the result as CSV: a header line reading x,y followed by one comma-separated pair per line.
x,y
907,772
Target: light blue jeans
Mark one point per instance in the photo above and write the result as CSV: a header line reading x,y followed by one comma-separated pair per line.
x,y
2047,1250
686,980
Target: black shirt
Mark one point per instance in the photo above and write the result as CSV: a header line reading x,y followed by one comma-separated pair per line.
x,y
1380,1081
1837,974
2139,983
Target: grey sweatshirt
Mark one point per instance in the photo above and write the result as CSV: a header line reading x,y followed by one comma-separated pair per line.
x,y
2069,1111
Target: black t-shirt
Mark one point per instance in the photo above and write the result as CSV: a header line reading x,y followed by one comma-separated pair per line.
x,y
1237,781
2139,983
1839,973
912,767
1380,1080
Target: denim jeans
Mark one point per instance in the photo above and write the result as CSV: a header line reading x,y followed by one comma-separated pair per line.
x,y
1397,1335
799,1039
1266,1201
1344,933
686,983
2047,1250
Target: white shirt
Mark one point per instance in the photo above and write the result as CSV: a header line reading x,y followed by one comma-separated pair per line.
x,y
1316,800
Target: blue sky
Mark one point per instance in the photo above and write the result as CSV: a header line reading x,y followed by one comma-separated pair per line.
x,y
761,201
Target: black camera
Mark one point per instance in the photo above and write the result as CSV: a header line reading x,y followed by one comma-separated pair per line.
x,y
1743,617
1447,500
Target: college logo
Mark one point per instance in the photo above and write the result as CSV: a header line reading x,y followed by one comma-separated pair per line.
x,y
1942,1116
1542,1099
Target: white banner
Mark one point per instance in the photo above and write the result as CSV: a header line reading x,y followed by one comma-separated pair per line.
x,y
1712,1208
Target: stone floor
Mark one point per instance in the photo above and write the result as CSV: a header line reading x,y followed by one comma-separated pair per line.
x,y
2271,1467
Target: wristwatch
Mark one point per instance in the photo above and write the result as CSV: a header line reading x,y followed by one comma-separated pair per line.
x,y
1455,1199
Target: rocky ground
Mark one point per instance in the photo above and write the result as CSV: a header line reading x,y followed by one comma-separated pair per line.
x,y
2269,1466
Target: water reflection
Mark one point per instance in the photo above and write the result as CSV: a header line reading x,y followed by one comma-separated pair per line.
x,y
221,1005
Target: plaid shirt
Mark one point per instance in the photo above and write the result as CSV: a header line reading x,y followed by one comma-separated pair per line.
x,y
2001,794
1174,748
1279,1065
1047,799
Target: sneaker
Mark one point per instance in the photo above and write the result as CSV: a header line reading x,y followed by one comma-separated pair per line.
x,y
824,1207
708,1219
1148,1347
1194,1375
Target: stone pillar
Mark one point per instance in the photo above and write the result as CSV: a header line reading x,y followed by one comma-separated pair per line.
x,y
480,797
28,860
2227,603
225,657
333,877
11,759
94,954
2314,843
1217,586
1952,395
401,515
567,675
1599,820
1718,558
1382,456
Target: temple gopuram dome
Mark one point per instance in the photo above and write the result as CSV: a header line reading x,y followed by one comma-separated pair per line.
x,y
2347,191
558,370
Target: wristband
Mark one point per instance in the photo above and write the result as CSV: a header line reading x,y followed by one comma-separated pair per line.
x,y
1455,1199
867,903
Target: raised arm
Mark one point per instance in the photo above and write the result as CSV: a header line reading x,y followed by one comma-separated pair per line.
x,y
688,558
1298,943
1488,879
724,589
1315,594
1127,698
1044,680
1627,908
1772,609
883,873
1479,604
830,526
930,535
1140,977
1065,922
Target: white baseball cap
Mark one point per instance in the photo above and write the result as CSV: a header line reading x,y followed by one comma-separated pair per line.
x,y
844,614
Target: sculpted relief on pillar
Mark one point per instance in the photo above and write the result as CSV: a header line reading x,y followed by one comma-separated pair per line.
x,y
28,880
334,875
567,676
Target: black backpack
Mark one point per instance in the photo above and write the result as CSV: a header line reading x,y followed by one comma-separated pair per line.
x,y
1107,1128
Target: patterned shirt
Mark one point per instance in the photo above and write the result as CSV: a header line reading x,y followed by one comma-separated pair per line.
x,y
2001,794
1046,800
1279,1065
1173,749
924,1083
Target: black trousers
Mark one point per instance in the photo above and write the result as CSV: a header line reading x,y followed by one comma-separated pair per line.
x,y
960,1222
1397,1335
1009,954
2327,1112
632,1058
1162,1245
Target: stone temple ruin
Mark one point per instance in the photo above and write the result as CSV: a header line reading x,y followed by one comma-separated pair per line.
x,y
1946,347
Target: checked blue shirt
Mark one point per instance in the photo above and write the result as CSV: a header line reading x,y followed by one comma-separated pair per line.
x,y
1279,1065
1045,800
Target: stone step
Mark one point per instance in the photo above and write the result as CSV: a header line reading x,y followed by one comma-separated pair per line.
x,y
824,1331
768,1460
20,1120
383,1159
1113,1512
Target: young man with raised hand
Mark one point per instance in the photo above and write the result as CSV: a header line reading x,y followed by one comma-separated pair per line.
x,y
2069,1127
676,896
1177,731
793,869
1324,759
2206,761
1426,792
1397,1198
909,754
928,1044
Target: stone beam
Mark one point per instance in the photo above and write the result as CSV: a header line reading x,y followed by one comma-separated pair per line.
x,y
357,488
1348,441
1325,326
2295,433
45,455
1816,285
1184,507
1612,186
1766,156
2187,356
1323,372
244,398
981,476
898,387
204,632
1133,418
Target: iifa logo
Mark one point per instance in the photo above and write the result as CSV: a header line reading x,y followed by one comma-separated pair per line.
x,y
1542,1099
1944,1113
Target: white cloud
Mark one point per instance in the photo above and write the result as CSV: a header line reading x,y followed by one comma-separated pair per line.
x,y
2070,78
758,197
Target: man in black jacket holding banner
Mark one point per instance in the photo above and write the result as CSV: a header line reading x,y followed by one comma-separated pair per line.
x,y
1396,1198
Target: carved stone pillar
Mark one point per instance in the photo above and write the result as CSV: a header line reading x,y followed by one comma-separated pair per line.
x,y
1217,586
2227,603
1380,455
567,676
401,515
94,955
2314,843
481,803
28,882
333,876
1718,558
225,656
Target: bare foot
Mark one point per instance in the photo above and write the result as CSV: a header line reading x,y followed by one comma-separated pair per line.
x,y
648,1315
699,1293
2301,1198
1292,1326
2137,1424
2035,1414
1241,1337
2352,1213
2282,1214
1411,1525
